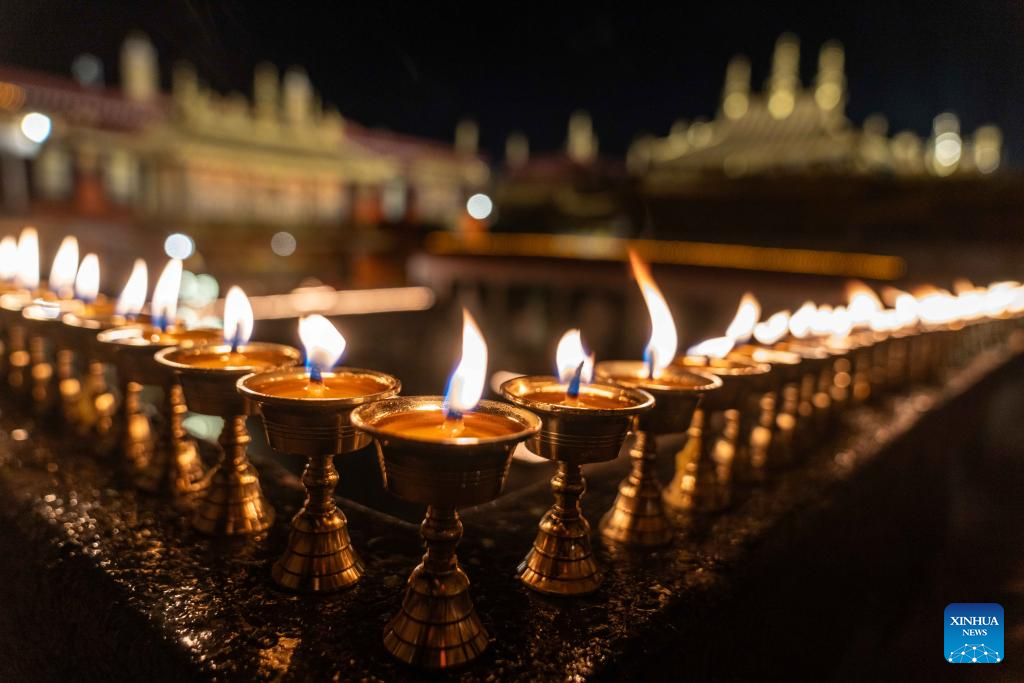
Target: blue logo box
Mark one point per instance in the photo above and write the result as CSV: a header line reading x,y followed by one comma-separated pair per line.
x,y
973,633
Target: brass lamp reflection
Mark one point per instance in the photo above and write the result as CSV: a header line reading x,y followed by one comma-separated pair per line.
x,y
306,414
446,452
582,423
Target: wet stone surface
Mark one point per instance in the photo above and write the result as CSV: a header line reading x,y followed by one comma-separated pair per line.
x,y
103,582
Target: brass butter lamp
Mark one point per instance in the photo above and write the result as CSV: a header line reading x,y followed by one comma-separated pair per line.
x,y
42,320
99,406
306,415
25,290
446,452
581,423
166,462
233,502
45,320
719,435
637,516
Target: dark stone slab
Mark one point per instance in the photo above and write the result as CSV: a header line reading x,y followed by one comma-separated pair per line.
x,y
98,582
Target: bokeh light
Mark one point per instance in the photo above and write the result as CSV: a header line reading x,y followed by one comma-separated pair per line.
x,y
36,127
283,243
179,246
479,206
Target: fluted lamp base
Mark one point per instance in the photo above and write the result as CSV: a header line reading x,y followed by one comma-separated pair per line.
x,y
171,469
172,465
233,503
561,561
319,556
437,626
637,517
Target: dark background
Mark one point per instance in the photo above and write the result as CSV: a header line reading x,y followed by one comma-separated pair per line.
x,y
418,67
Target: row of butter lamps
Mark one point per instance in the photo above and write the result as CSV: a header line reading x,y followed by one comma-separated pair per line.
x,y
746,400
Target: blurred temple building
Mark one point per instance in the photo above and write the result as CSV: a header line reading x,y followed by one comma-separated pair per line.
x,y
211,164
783,167
789,128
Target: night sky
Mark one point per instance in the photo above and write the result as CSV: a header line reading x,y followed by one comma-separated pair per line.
x,y
419,67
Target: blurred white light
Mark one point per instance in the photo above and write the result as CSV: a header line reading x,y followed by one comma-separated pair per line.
x,y
207,289
283,243
947,149
36,127
179,246
479,206
189,291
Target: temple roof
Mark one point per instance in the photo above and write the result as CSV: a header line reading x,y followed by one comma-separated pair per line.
x,y
101,107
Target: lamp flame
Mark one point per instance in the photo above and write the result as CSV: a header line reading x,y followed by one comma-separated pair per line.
x,y
862,302
840,323
885,320
28,260
747,314
773,329
935,306
8,258
801,321
962,285
1017,305
238,318
323,342
64,268
716,347
661,349
906,307
999,297
575,365
467,382
164,306
821,323
970,303
133,296
87,282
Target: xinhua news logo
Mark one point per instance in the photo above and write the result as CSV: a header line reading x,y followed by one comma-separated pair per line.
x,y
973,633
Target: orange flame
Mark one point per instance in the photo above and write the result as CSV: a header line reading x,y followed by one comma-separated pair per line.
x,y
661,349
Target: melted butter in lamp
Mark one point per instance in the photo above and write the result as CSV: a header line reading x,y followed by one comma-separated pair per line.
x,y
255,360
102,307
670,380
587,398
174,336
432,425
344,385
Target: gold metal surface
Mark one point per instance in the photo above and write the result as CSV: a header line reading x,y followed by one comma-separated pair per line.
x,y
805,427
437,626
561,561
319,556
173,466
718,441
637,516
16,354
43,350
232,503
771,437
162,461
98,406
